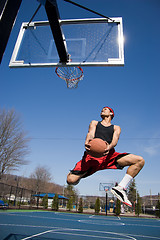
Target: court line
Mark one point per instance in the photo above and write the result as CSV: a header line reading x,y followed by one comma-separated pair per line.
x,y
24,225
135,235
62,232
32,216
60,218
142,225
101,222
124,237
38,234
57,230
111,221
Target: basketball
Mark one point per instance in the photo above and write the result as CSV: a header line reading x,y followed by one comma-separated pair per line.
x,y
97,147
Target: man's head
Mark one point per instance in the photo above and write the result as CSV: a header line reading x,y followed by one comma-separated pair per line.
x,y
107,111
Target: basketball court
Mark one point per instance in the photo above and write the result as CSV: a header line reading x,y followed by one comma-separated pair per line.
x,y
69,46
56,225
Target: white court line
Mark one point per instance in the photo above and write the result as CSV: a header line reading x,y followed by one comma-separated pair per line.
x,y
38,234
64,219
64,231
150,237
141,225
105,218
22,225
111,221
119,236
101,222
32,216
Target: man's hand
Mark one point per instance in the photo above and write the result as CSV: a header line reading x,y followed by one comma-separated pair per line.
x,y
87,146
107,149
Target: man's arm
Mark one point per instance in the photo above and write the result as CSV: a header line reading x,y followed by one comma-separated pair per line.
x,y
116,135
91,133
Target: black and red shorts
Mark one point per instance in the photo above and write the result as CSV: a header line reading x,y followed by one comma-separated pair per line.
x,y
90,165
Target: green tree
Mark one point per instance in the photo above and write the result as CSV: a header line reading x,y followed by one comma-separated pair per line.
x,y
80,206
70,203
118,207
55,202
97,206
138,205
131,191
69,192
45,201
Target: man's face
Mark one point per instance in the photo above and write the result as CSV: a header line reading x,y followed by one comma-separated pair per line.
x,y
105,112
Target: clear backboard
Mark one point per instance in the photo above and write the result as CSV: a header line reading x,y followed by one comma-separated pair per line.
x,y
88,42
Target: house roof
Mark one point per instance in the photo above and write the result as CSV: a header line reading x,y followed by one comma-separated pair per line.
x,y
50,195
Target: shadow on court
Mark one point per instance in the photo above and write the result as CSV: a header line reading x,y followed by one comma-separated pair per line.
x,y
19,236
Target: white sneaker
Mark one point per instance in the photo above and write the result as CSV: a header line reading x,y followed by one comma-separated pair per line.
x,y
120,193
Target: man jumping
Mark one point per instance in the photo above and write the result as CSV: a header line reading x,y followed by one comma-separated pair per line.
x,y
111,159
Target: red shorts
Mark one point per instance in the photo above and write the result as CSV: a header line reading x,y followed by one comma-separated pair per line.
x,y
91,164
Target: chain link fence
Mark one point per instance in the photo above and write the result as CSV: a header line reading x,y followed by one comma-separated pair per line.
x,y
18,197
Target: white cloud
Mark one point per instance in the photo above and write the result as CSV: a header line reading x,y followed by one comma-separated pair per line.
x,y
152,150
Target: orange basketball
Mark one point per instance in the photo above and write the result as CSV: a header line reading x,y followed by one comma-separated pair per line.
x,y
97,147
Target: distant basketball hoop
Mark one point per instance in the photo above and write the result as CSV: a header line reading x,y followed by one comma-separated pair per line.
x,y
106,187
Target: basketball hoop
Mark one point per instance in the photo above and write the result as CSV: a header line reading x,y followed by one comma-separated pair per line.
x,y
72,75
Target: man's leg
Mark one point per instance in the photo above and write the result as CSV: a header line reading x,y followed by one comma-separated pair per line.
x,y
135,164
73,179
84,168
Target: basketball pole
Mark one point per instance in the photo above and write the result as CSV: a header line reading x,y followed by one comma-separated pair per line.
x,y
8,13
106,201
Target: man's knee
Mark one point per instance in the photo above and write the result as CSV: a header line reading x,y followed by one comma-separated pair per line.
x,y
131,159
73,179
138,161
141,161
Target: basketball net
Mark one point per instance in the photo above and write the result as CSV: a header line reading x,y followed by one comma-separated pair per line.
x,y
72,75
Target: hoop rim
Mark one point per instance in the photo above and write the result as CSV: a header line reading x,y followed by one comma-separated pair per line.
x,y
69,79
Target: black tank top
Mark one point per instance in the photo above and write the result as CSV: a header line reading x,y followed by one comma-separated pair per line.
x,y
105,133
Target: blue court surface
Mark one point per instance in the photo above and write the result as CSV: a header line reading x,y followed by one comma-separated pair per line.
x,y
68,226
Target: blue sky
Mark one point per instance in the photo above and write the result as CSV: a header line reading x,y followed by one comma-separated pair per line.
x,y
57,118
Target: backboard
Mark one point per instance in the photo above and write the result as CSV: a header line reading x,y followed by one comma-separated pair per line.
x,y
105,186
88,42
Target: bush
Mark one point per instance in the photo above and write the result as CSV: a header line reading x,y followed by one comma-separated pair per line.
x,y
158,209
70,204
55,202
97,206
80,207
45,202
138,208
